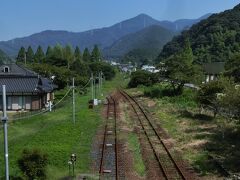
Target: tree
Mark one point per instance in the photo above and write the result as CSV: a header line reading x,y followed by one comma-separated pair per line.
x,y
207,96
86,55
21,57
230,100
49,53
80,68
33,164
106,69
57,58
39,56
232,67
77,54
142,78
180,68
96,55
30,55
68,55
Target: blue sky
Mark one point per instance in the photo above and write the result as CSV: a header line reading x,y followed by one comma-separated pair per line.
x,y
20,18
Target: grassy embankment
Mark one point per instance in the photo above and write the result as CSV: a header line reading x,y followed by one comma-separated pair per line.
x,y
196,135
55,133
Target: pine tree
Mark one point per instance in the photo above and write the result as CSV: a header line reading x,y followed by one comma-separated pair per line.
x,y
180,68
96,55
30,55
57,58
39,56
68,55
21,57
77,54
49,53
86,55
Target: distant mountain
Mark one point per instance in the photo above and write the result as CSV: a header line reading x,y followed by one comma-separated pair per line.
x,y
4,58
150,41
103,37
214,39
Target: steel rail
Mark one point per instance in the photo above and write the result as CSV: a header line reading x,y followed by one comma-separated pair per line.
x,y
111,101
180,172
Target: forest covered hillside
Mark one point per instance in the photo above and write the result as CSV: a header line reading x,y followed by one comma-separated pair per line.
x,y
4,58
149,40
214,39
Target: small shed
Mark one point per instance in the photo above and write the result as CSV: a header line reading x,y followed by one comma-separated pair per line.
x,y
213,70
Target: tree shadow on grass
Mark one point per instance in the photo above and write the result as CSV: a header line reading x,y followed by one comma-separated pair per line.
x,y
222,147
195,116
222,151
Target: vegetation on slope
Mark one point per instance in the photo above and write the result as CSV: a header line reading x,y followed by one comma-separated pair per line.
x,y
150,41
215,39
4,58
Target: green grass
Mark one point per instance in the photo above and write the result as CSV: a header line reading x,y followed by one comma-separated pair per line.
x,y
55,134
197,135
134,146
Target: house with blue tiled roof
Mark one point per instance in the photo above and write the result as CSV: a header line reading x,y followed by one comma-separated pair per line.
x,y
25,89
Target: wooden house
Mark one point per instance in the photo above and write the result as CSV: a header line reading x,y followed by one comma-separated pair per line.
x,y
25,89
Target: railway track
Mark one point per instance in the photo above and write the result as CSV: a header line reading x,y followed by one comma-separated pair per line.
x,y
109,152
170,164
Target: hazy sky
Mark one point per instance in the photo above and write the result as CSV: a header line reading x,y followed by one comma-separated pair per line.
x,y
20,18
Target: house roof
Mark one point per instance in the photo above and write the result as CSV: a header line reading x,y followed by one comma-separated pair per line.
x,y
22,80
214,68
20,84
16,70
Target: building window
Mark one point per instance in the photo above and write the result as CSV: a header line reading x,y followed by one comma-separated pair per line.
x,y
6,69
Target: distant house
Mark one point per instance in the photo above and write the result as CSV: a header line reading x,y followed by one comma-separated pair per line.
x,y
25,89
127,68
213,70
151,69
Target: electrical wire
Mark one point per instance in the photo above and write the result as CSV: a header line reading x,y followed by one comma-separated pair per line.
x,y
44,111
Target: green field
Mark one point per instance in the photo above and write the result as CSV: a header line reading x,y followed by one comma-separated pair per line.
x,y
55,133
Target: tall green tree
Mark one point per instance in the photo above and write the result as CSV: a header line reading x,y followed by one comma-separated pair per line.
x,y
30,55
77,54
86,55
49,53
68,55
180,68
39,56
57,58
21,57
232,67
96,55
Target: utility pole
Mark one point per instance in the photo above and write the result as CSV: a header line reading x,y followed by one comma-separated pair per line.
x,y
4,120
73,94
99,83
92,85
95,93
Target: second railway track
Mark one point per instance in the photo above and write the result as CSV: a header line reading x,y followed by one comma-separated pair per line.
x,y
109,152
170,164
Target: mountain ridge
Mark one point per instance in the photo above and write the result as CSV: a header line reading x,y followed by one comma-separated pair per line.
x,y
103,37
149,39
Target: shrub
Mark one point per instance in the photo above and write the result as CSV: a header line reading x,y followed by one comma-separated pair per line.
x,y
142,78
106,68
153,92
33,164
